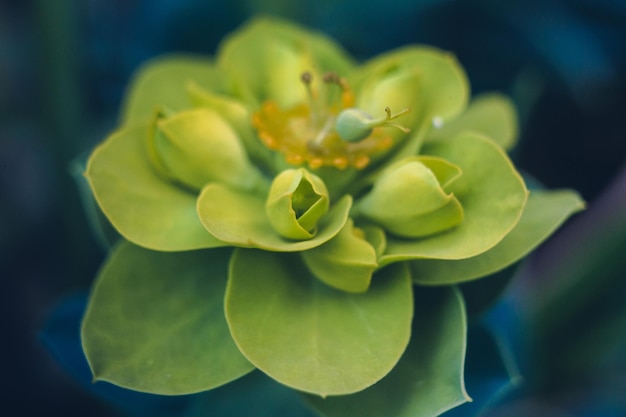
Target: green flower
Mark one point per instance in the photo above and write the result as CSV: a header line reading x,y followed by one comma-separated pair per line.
x,y
278,206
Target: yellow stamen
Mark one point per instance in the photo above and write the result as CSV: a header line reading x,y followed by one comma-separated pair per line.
x,y
305,133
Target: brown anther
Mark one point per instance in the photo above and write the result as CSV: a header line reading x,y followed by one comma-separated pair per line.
x,y
306,77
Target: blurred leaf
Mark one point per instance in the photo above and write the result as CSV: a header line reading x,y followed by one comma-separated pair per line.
x,y
101,227
155,322
309,336
493,115
162,82
544,212
428,380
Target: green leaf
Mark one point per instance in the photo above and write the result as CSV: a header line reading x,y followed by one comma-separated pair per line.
x,y
143,207
155,322
491,192
309,336
428,380
345,262
492,114
162,82
239,219
545,211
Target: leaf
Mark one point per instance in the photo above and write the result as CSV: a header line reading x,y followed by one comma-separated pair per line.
x,y
309,336
162,82
155,322
345,262
239,218
143,207
61,336
428,380
545,211
491,192
493,115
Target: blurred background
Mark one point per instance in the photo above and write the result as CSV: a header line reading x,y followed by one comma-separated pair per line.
x,y
64,66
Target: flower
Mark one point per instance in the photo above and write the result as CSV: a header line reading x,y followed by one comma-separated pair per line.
x,y
279,205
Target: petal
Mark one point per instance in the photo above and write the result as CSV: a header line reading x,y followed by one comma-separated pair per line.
x,y
493,115
309,336
143,207
345,262
296,202
239,219
543,214
428,380
162,82
155,322
491,192
280,53
429,81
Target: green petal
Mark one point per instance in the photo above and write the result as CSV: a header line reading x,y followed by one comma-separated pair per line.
x,y
162,82
267,56
296,202
491,192
239,219
143,207
439,82
428,380
492,114
309,336
543,214
155,322
345,262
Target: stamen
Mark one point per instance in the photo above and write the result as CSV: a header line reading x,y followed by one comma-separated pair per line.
x,y
307,78
311,132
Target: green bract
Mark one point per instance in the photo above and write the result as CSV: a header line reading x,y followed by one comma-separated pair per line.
x,y
285,209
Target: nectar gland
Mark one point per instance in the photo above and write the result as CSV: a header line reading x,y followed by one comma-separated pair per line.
x,y
324,131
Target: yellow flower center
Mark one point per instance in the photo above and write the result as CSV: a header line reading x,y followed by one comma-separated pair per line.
x,y
306,133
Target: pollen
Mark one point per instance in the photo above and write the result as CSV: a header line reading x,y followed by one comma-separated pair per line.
x,y
305,133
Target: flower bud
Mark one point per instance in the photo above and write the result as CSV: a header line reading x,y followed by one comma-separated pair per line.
x,y
297,200
197,147
408,201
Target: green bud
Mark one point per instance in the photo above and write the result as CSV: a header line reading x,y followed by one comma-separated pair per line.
x,y
408,200
297,200
197,147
